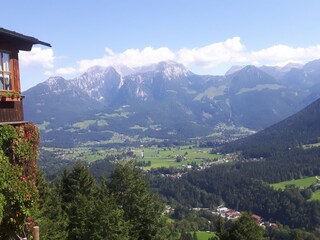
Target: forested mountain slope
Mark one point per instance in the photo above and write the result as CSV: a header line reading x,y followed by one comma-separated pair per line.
x,y
299,129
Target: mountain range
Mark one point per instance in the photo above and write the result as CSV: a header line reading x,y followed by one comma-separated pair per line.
x,y
167,101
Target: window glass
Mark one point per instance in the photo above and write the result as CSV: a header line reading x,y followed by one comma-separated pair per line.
x,y
1,83
7,81
6,62
5,74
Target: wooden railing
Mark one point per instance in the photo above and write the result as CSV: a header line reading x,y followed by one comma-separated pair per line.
x,y
11,111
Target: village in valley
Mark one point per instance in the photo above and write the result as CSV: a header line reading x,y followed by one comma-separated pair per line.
x,y
230,214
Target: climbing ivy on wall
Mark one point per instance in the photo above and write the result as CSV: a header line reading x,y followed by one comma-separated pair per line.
x,y
18,171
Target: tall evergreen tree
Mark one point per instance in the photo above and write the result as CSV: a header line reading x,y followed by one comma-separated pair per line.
x,y
107,220
78,190
142,208
53,221
92,212
76,183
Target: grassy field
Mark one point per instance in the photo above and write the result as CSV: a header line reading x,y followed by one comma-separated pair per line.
x,y
308,146
166,157
315,195
159,157
211,93
300,183
80,153
204,235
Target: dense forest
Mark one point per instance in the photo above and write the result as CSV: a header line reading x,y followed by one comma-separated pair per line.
x,y
79,207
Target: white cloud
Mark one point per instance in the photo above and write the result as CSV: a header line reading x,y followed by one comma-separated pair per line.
x,y
284,63
231,50
227,53
130,57
37,57
214,58
281,54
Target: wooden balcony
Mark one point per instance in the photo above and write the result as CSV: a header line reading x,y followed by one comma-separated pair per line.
x,y
11,111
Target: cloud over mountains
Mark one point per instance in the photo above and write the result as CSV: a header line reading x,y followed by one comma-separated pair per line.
x,y
231,51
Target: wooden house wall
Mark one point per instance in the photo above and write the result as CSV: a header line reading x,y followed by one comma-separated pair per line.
x,y
11,111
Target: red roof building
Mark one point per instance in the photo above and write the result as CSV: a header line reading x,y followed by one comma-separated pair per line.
x,y
256,217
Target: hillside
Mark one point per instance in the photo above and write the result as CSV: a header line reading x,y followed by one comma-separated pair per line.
x,y
297,130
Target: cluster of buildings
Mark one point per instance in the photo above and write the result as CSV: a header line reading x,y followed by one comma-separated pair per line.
x,y
227,213
230,214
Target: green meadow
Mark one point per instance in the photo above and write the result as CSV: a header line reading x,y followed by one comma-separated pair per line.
x,y
300,183
79,154
308,146
166,157
201,235
159,157
315,195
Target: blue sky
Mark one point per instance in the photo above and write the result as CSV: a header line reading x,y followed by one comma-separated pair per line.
x,y
207,36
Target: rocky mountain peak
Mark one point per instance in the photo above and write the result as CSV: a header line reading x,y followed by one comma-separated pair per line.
x,y
312,66
169,69
172,70
290,66
98,82
55,80
57,84
121,69
234,69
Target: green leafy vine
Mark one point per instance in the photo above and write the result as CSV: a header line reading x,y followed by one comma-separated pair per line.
x,y
18,191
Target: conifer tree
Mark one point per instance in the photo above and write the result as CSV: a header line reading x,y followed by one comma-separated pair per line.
x,y
92,212
77,190
76,183
107,220
142,208
53,221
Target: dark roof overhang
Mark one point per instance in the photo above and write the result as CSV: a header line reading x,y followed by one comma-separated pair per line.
x,y
21,41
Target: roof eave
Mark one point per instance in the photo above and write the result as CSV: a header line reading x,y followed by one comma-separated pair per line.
x,y
26,41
